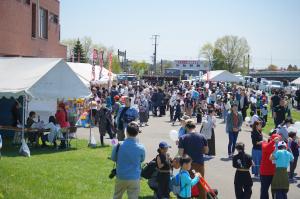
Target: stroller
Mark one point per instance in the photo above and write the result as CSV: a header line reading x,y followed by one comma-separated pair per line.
x,y
211,193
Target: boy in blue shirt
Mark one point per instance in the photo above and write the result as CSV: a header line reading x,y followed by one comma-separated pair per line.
x,y
282,159
186,182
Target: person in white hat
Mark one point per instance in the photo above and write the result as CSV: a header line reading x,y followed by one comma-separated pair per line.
x,y
282,158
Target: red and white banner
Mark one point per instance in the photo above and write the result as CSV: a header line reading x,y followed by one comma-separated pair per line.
x,y
101,52
95,56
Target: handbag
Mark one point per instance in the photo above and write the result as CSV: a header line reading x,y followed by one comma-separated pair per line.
x,y
113,172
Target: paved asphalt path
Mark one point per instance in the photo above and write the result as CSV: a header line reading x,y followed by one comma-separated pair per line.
x,y
219,172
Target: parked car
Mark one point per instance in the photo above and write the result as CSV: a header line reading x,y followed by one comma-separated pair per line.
x,y
263,85
290,89
274,85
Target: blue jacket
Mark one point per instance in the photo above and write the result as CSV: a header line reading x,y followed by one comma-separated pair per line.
x,y
186,184
130,115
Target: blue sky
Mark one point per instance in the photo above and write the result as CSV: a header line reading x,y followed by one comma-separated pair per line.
x,y
271,27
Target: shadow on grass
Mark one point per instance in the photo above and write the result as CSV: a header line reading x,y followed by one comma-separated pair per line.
x,y
146,197
10,150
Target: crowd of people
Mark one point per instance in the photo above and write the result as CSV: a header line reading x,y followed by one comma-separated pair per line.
x,y
128,107
122,110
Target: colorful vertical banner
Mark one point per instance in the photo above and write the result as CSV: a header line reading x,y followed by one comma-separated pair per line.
x,y
101,52
95,56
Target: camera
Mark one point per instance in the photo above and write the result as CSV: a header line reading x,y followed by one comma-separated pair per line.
x,y
113,173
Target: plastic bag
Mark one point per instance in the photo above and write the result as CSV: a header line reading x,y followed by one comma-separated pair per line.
x,y
0,142
24,150
93,142
173,135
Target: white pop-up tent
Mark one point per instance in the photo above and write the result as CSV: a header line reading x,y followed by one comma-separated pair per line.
x,y
220,76
296,81
43,80
84,72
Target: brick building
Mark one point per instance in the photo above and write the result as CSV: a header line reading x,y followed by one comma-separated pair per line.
x,y
30,28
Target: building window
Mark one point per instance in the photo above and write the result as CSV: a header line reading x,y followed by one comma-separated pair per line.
x,y
198,65
183,65
54,18
43,24
191,65
33,21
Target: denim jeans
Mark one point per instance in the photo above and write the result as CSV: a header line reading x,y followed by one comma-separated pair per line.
x,y
225,113
232,141
256,156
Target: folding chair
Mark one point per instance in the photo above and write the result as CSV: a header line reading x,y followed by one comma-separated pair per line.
x,y
70,135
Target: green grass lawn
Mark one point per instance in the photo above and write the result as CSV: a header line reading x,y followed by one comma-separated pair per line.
x,y
81,173
270,124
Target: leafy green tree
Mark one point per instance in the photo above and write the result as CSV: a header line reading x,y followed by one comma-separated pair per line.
x,y
116,66
78,52
218,61
139,67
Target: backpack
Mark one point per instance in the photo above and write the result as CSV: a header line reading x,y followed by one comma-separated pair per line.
x,y
175,184
149,169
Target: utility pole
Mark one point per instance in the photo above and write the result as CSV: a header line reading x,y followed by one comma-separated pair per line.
x,y
248,64
161,67
155,46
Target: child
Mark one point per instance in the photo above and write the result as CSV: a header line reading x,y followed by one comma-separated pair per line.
x,y
264,112
163,162
186,182
177,111
242,180
294,146
182,129
199,112
282,159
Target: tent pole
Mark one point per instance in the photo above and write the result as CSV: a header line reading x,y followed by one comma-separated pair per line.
x,y
23,116
91,116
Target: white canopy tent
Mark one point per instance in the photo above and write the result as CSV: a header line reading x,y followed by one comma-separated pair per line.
x,y
43,80
220,76
84,72
296,81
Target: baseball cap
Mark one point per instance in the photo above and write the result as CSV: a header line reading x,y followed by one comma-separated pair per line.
x,y
281,144
164,145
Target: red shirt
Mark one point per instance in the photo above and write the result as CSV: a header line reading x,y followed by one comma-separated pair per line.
x,y
267,168
61,119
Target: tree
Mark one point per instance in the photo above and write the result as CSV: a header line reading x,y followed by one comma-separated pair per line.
x,y
272,67
69,43
87,45
233,50
139,67
207,51
292,68
116,67
218,61
78,52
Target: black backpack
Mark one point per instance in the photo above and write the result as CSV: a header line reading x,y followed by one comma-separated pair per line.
x,y
148,169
